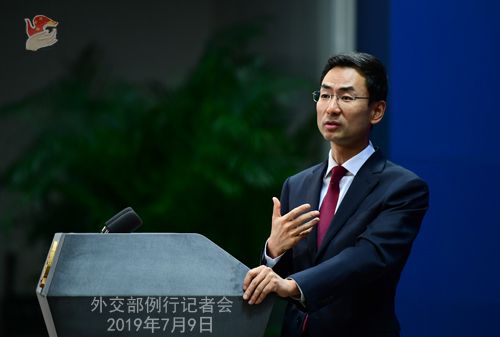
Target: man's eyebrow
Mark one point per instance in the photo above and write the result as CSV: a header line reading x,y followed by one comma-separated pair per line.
x,y
349,88
343,89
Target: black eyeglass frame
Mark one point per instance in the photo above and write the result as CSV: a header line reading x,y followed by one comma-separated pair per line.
x,y
345,98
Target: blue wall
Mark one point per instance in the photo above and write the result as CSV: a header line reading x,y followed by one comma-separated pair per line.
x,y
444,125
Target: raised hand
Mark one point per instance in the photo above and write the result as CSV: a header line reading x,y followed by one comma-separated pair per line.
x,y
287,230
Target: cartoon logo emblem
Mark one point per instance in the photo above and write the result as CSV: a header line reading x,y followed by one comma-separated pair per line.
x,y
42,32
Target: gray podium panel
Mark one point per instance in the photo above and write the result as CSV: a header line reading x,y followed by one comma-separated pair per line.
x,y
145,284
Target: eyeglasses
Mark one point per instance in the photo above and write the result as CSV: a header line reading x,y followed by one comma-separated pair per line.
x,y
319,97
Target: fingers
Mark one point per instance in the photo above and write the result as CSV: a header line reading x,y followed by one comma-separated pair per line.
x,y
276,207
297,211
303,218
258,283
265,281
253,278
263,289
250,276
294,213
305,222
304,231
289,229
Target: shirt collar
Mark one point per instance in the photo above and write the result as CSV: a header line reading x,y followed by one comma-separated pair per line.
x,y
354,164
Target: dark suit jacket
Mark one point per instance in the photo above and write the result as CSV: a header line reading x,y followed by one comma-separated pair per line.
x,y
349,283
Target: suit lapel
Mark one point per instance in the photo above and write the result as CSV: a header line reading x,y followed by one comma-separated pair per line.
x,y
364,182
313,183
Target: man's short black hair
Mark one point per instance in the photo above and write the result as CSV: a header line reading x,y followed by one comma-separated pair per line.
x,y
368,66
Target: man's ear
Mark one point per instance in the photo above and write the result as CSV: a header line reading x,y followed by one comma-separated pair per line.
x,y
378,111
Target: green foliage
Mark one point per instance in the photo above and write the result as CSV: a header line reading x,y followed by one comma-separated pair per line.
x,y
204,157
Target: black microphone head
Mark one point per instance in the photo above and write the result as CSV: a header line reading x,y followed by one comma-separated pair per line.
x,y
125,221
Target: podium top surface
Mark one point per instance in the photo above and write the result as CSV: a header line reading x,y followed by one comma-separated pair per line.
x,y
142,264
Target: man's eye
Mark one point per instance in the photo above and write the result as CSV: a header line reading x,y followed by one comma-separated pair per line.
x,y
324,96
347,98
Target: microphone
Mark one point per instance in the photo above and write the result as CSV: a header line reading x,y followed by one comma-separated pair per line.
x,y
125,221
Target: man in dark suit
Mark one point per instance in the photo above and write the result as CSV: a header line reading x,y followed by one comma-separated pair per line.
x,y
343,229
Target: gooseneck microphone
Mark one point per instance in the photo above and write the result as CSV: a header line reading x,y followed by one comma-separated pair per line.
x,y
125,221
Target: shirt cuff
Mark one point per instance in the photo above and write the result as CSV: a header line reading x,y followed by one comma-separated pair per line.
x,y
270,262
302,298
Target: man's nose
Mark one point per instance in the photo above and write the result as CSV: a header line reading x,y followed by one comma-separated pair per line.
x,y
333,105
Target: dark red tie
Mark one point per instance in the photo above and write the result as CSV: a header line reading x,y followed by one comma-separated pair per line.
x,y
327,210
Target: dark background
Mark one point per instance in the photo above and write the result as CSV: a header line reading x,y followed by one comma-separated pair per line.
x,y
144,64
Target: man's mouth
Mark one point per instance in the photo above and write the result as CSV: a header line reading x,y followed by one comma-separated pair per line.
x,y
331,125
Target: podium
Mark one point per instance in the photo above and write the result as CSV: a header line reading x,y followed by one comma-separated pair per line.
x,y
145,284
